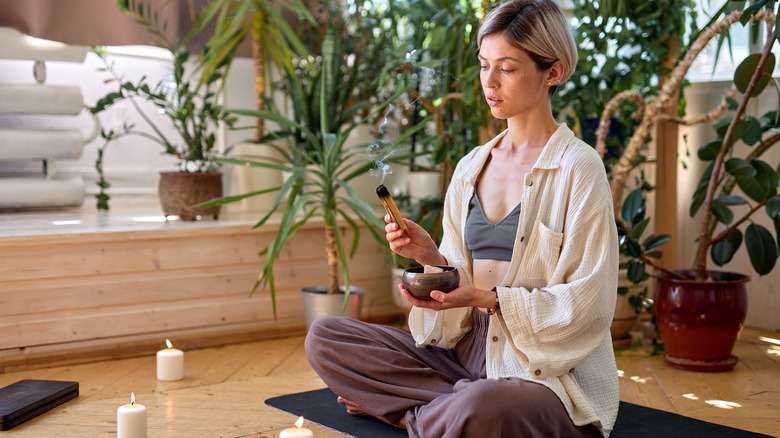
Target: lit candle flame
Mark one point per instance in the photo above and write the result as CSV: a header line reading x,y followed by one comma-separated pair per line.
x,y
132,399
168,343
299,422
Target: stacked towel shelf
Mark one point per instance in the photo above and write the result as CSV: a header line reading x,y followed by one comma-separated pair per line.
x,y
25,143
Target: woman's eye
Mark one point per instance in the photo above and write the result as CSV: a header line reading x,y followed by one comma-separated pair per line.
x,y
506,70
483,67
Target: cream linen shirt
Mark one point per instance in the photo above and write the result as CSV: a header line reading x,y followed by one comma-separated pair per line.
x,y
558,296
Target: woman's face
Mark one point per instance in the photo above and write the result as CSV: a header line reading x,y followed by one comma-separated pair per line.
x,y
512,82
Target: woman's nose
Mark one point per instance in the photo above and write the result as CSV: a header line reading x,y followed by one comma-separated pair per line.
x,y
488,79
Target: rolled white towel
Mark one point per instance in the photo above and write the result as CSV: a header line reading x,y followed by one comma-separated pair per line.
x,y
40,99
26,192
40,144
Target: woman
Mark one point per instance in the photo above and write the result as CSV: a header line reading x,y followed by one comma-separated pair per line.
x,y
522,347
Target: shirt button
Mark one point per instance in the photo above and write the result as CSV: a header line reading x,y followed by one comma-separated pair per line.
x,y
571,370
433,341
495,338
538,372
530,183
522,238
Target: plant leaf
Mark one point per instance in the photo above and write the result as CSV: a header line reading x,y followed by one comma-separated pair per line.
x,y
753,132
759,186
723,214
633,248
773,207
744,72
639,229
729,200
655,241
635,272
739,168
761,247
723,251
633,206
708,151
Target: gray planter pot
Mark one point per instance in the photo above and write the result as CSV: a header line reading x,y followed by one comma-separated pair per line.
x,y
318,303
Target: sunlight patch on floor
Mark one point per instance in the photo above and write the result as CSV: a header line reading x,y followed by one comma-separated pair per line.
x,y
636,379
723,404
769,340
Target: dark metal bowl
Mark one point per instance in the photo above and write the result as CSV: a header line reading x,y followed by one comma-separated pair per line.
x,y
420,284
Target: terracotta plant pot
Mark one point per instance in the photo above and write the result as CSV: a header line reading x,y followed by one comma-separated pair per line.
x,y
180,191
699,321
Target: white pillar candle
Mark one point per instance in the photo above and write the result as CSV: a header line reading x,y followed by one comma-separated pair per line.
x,y
170,363
131,420
297,432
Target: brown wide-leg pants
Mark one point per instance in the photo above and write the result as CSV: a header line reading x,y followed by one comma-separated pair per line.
x,y
441,393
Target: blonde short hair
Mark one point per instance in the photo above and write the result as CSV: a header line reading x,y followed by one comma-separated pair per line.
x,y
537,27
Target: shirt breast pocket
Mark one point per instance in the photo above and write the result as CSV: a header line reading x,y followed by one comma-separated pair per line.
x,y
543,252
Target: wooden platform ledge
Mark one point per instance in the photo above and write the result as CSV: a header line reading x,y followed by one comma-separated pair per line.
x,y
83,286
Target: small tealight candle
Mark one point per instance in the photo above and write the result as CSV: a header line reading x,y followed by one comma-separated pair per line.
x,y
297,432
170,363
131,420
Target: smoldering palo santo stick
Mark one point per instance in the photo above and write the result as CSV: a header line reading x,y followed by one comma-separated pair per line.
x,y
389,204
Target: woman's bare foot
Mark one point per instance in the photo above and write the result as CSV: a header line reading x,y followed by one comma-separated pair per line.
x,y
355,409
352,407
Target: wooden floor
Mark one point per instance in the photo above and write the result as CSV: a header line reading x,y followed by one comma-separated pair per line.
x,y
224,388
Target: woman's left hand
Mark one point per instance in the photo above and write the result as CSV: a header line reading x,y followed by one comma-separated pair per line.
x,y
463,296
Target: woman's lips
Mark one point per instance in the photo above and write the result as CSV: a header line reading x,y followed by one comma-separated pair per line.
x,y
493,101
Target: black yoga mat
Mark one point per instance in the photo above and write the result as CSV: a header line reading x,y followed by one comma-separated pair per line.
x,y
633,421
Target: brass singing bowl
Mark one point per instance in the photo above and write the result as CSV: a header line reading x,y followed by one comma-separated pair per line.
x,y
420,284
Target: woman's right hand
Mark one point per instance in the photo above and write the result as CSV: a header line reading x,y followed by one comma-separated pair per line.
x,y
413,243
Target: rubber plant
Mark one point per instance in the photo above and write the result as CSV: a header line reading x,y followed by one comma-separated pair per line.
x,y
715,198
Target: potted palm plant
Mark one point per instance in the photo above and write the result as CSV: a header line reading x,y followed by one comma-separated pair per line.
x,y
190,102
316,153
699,312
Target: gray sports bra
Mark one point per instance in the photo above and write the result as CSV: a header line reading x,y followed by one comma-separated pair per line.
x,y
487,240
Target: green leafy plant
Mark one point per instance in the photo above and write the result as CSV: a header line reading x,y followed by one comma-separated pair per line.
x,y
274,40
434,59
714,198
190,100
756,178
623,45
637,250
624,50
314,151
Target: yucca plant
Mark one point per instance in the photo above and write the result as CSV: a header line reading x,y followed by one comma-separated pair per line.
x,y
315,153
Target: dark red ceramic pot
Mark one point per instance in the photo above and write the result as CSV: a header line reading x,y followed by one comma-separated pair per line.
x,y
699,321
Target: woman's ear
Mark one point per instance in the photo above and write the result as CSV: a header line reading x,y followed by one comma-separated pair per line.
x,y
556,73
